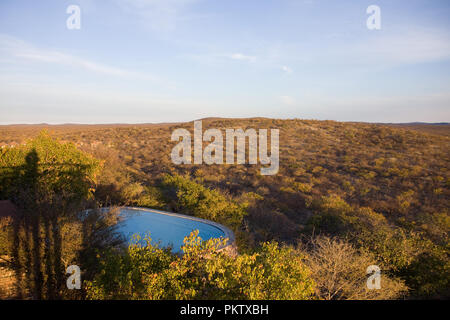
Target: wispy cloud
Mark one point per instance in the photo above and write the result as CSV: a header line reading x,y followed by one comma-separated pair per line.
x,y
240,56
65,59
222,58
259,60
13,48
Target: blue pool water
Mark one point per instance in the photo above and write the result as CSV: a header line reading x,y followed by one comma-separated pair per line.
x,y
167,229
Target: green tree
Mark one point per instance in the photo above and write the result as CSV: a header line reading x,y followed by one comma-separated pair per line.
x,y
193,198
204,271
46,166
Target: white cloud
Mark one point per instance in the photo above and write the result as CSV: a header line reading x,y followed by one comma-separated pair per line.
x,y
65,59
240,56
221,58
13,48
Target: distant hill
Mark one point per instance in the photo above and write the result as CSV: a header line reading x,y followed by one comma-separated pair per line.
x,y
441,128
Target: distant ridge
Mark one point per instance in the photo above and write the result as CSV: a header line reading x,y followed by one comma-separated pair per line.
x,y
439,128
421,123
213,119
436,128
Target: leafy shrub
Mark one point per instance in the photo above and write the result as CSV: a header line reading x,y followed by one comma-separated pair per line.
x,y
193,198
202,272
50,166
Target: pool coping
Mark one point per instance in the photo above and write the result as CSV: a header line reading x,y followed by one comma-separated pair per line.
x,y
227,232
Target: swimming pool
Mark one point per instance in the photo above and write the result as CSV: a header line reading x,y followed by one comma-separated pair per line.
x,y
168,228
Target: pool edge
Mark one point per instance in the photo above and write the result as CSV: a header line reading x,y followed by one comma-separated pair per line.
x,y
229,234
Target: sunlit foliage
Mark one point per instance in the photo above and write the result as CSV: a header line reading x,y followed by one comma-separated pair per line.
x,y
145,271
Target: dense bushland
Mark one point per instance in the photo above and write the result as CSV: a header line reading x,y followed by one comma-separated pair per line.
x,y
381,190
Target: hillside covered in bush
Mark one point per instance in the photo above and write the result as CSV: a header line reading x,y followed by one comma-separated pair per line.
x,y
373,192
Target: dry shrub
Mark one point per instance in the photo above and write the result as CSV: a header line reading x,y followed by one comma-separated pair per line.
x,y
339,271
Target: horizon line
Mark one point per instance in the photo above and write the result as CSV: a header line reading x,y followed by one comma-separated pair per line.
x,y
212,118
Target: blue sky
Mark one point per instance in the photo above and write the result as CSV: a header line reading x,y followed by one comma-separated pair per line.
x,y
140,61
